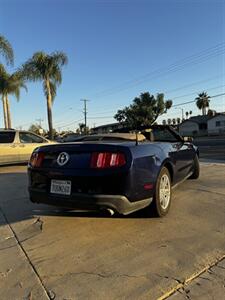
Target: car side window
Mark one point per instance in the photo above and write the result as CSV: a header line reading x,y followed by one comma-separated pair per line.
x,y
7,137
164,135
28,138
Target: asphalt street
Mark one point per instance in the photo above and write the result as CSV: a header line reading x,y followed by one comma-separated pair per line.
x,y
46,253
212,148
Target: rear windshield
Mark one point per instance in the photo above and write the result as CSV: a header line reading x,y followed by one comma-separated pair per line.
x,y
7,137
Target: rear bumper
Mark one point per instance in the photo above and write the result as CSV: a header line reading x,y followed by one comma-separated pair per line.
x,y
118,203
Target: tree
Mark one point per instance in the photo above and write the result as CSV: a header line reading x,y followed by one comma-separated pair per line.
x,y
169,121
82,129
36,128
211,112
202,101
48,69
10,84
178,120
144,110
174,121
6,50
190,113
164,122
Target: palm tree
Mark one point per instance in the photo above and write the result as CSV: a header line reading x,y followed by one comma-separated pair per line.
x,y
174,121
169,121
202,101
190,113
2,74
9,84
187,113
164,122
6,50
46,68
178,120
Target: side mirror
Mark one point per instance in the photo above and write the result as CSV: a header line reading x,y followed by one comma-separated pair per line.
x,y
188,139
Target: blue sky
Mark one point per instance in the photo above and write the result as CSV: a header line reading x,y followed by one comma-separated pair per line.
x,y
114,50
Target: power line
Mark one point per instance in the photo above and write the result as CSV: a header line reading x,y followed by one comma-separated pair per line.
x,y
186,95
69,108
213,88
217,95
111,117
176,89
188,102
100,117
68,124
173,106
179,65
194,83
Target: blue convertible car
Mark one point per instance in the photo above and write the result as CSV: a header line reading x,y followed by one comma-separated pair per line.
x,y
120,172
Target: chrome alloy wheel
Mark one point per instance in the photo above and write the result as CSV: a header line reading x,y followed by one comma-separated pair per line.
x,y
164,191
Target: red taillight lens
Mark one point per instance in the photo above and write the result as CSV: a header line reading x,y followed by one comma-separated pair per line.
x,y
102,160
36,159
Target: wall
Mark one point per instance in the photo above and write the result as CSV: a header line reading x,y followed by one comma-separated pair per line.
x,y
213,128
188,128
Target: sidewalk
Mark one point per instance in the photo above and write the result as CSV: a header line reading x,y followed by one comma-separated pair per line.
x,y
17,277
206,286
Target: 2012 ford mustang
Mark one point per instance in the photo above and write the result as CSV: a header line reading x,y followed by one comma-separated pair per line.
x,y
120,172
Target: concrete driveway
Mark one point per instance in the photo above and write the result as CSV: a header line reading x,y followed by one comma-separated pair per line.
x,y
49,254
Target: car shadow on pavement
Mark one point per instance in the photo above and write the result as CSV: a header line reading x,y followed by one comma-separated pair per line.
x,y
71,213
15,205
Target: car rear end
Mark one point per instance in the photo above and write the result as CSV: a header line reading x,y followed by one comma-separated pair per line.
x,y
83,176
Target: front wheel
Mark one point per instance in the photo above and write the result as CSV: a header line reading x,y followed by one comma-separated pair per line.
x,y
163,193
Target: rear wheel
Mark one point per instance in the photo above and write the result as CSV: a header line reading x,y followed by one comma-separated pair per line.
x,y
162,198
196,168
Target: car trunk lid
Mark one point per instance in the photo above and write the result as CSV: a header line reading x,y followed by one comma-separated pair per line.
x,y
78,155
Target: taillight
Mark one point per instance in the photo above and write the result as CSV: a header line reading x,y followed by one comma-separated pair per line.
x,y
102,160
36,159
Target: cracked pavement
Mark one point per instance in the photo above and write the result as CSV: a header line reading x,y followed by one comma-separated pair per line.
x,y
48,253
208,285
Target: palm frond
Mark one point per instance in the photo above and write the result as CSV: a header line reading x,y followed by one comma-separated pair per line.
x,y
11,83
6,50
17,93
59,58
3,71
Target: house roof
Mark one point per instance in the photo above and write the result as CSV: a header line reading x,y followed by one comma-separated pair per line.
x,y
218,115
198,119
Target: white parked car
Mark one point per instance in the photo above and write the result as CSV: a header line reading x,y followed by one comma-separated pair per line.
x,y
16,146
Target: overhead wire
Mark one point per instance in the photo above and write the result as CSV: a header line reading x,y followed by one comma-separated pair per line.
x,y
179,65
188,102
180,88
193,59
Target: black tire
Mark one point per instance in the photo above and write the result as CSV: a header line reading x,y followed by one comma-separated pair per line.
x,y
196,168
156,207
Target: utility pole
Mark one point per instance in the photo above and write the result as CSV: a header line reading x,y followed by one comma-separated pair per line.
x,y
85,114
182,113
39,121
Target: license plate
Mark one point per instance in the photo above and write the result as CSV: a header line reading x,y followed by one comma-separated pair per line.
x,y
62,187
